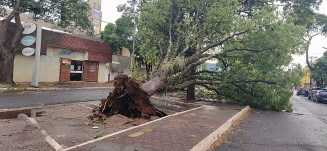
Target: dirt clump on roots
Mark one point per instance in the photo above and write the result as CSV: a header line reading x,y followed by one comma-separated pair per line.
x,y
127,99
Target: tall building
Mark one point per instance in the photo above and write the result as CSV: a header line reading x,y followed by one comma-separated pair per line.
x,y
96,15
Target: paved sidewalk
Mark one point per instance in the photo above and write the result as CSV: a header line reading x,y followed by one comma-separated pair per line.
x,y
179,132
59,86
195,129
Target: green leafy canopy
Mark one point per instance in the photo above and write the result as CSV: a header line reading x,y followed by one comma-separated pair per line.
x,y
67,15
119,35
252,50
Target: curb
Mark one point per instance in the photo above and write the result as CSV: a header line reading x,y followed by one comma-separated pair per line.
x,y
27,110
206,143
13,112
52,89
175,102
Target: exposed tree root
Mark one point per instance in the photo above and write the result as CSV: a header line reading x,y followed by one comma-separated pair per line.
x,y
127,99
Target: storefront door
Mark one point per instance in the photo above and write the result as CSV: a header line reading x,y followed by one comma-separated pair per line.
x,y
76,70
65,70
91,70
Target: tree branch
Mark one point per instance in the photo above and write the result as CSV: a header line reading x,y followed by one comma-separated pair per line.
x,y
210,88
4,26
170,33
250,81
18,32
222,41
252,50
243,90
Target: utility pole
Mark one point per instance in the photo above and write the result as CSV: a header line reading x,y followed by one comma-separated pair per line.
x,y
311,58
34,82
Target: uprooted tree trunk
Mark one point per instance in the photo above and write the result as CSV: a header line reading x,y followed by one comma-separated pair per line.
x,y
127,99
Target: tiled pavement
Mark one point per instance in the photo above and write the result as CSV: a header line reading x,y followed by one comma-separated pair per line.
x,y
174,133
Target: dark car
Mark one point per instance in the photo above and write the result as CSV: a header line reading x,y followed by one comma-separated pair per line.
x,y
320,96
312,91
302,91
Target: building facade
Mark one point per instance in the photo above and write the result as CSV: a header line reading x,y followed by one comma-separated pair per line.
x,y
305,80
64,58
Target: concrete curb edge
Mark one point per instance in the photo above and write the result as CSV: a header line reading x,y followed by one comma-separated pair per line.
x,y
49,89
206,143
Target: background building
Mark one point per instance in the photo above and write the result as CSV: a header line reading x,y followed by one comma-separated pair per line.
x,y
64,58
96,15
305,80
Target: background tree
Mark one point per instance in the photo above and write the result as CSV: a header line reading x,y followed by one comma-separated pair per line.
x,y
318,26
119,35
303,13
132,9
319,73
252,49
67,15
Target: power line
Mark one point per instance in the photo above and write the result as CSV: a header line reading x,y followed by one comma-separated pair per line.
x,y
312,57
105,22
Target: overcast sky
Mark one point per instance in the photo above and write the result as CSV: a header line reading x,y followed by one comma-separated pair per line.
x,y
110,14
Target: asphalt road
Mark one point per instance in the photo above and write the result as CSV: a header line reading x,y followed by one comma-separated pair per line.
x,y
303,130
15,99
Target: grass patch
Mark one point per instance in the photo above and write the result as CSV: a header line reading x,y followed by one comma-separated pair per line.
x,y
97,136
16,88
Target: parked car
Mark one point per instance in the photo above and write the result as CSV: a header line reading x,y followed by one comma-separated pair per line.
x,y
320,96
302,91
312,91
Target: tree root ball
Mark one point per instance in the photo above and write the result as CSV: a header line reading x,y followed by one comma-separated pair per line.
x,y
127,99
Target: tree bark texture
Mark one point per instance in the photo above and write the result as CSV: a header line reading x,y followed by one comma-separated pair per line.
x,y
155,84
8,43
190,95
7,68
307,59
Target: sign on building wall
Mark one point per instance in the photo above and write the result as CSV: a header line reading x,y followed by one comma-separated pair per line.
x,y
65,52
28,51
28,40
28,28
96,17
65,61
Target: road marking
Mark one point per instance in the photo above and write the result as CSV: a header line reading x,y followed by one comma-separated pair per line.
x,y
47,138
85,106
125,130
94,104
189,115
141,132
51,141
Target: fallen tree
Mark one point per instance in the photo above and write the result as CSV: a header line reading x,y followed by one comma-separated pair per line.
x,y
250,42
127,99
